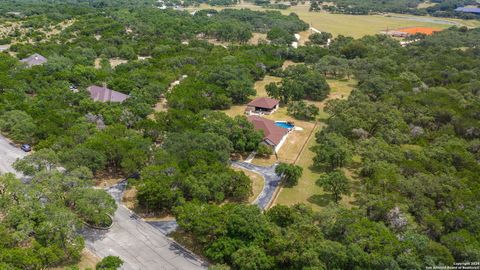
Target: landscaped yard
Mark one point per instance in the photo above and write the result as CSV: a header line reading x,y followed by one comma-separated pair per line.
x,y
307,191
294,142
306,188
296,139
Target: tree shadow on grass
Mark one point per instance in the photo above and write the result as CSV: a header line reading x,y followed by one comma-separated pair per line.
x,y
323,120
317,169
321,199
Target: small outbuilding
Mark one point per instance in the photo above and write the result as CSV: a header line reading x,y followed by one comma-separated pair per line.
x,y
263,105
274,135
474,10
34,60
103,94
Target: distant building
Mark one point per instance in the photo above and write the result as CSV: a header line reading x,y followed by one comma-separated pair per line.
x,y
34,60
4,47
409,31
103,94
14,14
273,135
262,105
468,10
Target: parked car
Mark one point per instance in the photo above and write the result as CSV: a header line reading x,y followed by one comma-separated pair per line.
x,y
135,175
26,147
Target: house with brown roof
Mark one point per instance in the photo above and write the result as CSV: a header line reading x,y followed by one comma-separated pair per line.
x,y
263,105
273,135
103,94
34,60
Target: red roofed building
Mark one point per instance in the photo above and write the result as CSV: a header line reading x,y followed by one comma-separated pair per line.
x,y
103,94
408,31
273,135
263,105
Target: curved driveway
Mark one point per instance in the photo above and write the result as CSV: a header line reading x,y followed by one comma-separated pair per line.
x,y
272,181
140,245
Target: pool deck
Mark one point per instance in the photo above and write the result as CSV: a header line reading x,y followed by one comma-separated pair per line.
x,y
285,124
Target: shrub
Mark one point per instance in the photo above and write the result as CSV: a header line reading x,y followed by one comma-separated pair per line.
x,y
109,263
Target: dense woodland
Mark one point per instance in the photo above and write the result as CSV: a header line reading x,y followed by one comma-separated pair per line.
x,y
182,154
409,134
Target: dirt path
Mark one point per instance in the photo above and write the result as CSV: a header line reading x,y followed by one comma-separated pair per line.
x,y
162,105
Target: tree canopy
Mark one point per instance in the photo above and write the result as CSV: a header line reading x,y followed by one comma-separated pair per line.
x,y
408,136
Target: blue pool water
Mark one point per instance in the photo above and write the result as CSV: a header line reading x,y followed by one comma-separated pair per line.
x,y
284,125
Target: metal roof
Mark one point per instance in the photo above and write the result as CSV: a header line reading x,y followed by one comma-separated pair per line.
x,y
468,10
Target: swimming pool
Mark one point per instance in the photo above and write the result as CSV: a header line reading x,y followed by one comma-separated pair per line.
x,y
284,125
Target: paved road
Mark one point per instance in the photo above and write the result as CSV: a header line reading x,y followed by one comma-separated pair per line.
x,y
8,155
139,244
272,181
165,227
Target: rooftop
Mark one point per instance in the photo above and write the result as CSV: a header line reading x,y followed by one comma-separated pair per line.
x,y
34,60
103,94
419,30
468,10
272,132
264,102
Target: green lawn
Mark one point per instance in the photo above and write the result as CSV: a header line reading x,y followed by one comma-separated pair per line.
x,y
307,191
306,188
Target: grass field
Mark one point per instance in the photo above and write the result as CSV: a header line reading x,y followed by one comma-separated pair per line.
x,y
306,187
358,25
307,191
426,4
